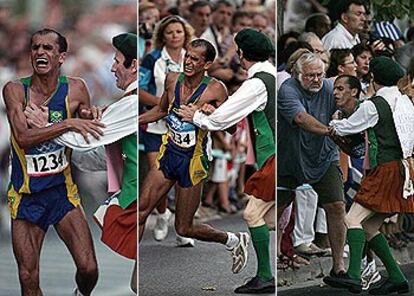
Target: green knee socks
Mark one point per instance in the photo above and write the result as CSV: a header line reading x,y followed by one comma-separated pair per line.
x,y
380,246
261,239
356,241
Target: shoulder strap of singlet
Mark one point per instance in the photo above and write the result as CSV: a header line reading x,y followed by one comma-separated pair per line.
x,y
195,95
200,89
63,79
26,81
177,90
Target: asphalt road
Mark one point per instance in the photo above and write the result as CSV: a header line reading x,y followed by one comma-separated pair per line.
x,y
200,271
328,291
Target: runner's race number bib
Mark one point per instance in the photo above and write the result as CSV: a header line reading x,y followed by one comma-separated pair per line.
x,y
184,139
47,163
181,133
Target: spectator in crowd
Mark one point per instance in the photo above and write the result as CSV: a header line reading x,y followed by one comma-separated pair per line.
x,y
363,54
404,54
316,44
219,34
283,57
241,20
183,7
342,63
285,39
351,22
260,21
200,18
252,6
149,15
318,23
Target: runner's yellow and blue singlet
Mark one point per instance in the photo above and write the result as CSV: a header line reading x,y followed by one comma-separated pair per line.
x,y
47,164
182,155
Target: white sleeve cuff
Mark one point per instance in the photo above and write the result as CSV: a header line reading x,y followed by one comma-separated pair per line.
x,y
198,118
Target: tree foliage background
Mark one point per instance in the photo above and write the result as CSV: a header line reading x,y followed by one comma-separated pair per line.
x,y
393,9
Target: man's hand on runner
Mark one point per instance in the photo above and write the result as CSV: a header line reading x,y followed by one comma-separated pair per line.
x,y
94,112
208,109
86,127
187,112
36,116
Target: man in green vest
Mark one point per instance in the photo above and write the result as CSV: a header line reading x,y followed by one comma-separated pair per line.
x,y
254,99
387,188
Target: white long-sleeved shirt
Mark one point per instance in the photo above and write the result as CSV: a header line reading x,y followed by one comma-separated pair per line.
x,y
367,116
364,117
120,118
251,96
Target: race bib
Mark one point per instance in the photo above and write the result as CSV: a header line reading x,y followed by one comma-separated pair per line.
x,y
184,139
49,163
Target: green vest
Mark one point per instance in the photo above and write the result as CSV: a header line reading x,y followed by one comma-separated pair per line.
x,y
262,123
384,145
129,174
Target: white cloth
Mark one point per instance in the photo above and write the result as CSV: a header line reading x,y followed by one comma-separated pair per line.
x,y
403,113
339,37
321,225
251,96
120,118
306,202
408,189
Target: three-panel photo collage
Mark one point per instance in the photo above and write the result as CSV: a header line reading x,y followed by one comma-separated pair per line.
x,y
206,147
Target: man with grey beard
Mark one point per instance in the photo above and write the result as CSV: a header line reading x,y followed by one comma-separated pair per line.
x,y
306,154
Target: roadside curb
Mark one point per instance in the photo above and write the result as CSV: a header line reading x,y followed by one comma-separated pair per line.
x,y
313,274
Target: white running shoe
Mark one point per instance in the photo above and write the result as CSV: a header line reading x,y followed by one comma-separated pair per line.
x,y
240,252
161,226
184,241
370,275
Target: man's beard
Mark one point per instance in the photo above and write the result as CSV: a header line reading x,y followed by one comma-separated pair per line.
x,y
310,89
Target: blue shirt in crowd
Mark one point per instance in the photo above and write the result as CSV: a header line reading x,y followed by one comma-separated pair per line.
x,y
304,155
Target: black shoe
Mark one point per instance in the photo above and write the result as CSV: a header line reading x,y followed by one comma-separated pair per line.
x,y
387,287
343,281
257,286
